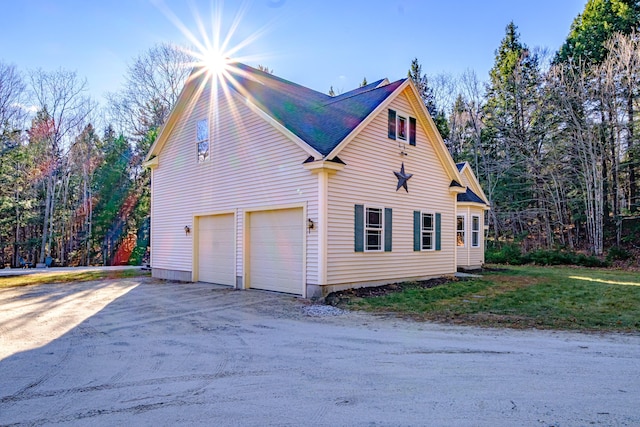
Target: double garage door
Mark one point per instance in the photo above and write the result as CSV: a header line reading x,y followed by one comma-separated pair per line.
x,y
275,250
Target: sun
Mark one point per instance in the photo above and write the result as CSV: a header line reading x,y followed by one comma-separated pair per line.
x,y
214,57
211,50
215,62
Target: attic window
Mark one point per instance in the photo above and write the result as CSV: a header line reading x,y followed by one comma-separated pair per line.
x,y
202,140
398,127
402,128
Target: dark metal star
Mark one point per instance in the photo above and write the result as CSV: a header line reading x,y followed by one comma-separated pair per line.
x,y
402,178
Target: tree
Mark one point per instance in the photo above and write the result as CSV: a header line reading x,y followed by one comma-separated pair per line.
x,y
426,94
63,108
515,137
590,30
152,85
364,82
111,186
331,91
12,91
590,42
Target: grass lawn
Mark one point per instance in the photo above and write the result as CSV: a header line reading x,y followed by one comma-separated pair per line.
x,y
521,297
67,276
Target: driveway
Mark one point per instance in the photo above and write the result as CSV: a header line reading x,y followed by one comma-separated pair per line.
x,y
142,352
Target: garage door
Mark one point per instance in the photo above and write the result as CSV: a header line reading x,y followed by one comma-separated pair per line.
x,y
216,248
275,250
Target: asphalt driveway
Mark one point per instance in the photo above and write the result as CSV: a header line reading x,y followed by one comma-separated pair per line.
x,y
141,352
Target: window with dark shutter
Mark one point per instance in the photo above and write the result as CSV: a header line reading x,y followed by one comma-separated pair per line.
x,y
392,124
426,231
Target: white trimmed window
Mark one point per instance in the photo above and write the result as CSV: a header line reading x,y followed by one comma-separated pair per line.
x,y
427,231
475,231
460,232
402,128
202,140
374,229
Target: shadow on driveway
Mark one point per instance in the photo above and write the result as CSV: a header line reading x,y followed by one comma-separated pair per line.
x,y
142,352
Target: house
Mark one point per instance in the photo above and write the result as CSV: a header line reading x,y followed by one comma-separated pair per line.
x,y
258,182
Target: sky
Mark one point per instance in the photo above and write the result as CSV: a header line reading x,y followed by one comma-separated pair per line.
x,y
315,43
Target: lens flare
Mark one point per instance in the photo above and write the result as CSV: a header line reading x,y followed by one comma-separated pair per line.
x,y
214,55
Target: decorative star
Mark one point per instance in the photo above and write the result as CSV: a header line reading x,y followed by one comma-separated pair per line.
x,y
402,178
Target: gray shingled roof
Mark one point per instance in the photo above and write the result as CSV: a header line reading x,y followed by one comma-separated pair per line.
x,y
322,121
470,196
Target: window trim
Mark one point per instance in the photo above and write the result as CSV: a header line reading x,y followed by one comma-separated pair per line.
x,y
475,234
463,231
366,228
402,119
410,127
432,231
200,141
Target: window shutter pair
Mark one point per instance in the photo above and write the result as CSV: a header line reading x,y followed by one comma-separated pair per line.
x,y
359,229
392,127
417,231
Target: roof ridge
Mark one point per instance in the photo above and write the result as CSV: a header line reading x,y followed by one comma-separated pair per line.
x,y
270,76
334,100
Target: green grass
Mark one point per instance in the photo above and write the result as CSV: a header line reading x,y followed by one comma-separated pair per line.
x,y
525,297
68,276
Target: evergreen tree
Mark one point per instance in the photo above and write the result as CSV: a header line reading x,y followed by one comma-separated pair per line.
x,y
514,134
426,94
111,186
600,20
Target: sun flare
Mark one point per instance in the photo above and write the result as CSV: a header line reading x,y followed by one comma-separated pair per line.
x,y
213,53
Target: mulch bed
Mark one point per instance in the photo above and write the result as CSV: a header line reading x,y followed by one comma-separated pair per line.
x,y
341,297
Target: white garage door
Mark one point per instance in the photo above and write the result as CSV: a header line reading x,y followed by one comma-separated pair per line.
x,y
216,248
275,250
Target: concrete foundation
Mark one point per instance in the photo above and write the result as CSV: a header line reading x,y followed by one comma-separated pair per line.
x,y
161,273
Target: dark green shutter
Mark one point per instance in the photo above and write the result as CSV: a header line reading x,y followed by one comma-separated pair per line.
x,y
438,219
412,131
392,124
359,228
387,229
416,231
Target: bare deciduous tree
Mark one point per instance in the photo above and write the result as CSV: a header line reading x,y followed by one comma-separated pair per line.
x,y
153,83
12,91
61,98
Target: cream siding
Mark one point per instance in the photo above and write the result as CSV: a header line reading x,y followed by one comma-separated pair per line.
x,y
469,256
252,165
466,182
368,179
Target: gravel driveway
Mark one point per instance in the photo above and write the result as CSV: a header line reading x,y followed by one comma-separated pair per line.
x,y
141,352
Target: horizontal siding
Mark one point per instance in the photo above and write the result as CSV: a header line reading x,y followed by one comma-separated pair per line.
x,y
368,179
470,256
466,181
252,165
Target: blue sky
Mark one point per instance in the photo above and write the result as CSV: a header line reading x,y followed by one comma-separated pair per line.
x,y
311,42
